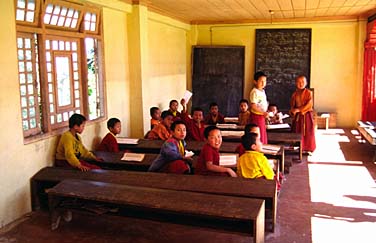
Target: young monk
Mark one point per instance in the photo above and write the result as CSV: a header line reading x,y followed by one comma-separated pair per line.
x,y
195,125
70,151
208,162
302,111
214,115
244,114
109,142
259,105
162,130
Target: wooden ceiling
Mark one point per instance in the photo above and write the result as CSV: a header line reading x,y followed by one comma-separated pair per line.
x,y
239,11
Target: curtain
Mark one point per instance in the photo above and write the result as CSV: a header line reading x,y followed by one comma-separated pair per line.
x,y
369,75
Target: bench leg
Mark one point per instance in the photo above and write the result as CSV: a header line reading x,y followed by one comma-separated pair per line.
x,y
259,227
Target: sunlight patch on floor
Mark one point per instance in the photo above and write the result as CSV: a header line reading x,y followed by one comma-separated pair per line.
x,y
326,230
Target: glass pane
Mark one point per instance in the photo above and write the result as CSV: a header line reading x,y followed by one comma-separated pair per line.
x,y
52,118
47,44
50,88
93,18
67,46
20,16
22,78
65,116
74,46
63,81
25,125
21,4
76,85
87,16
51,98
33,123
49,77
75,75
48,56
24,113
87,25
30,89
54,20
23,102
29,67
30,16
57,10
52,108
61,21
20,55
29,78
74,23
31,101
31,5
27,43
59,118
61,45
77,103
28,55
64,11
21,67
92,27
32,112
70,13
68,22
77,93
49,8
75,66
74,57
55,45
75,14
49,69
47,18
19,43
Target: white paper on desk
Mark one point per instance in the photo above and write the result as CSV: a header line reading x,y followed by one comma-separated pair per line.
x,y
127,140
133,157
278,126
228,159
187,96
232,119
232,133
271,147
228,126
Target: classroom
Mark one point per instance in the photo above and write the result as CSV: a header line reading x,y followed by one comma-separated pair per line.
x,y
145,60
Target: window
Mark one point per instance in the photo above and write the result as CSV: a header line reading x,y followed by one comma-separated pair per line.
x,y
59,64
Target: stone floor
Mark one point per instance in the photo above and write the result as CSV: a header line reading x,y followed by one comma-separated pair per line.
x,y
329,197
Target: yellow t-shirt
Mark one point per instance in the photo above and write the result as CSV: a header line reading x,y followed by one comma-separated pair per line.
x,y
254,164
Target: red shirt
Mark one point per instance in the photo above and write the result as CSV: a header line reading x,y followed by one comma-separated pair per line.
x,y
208,153
109,143
193,131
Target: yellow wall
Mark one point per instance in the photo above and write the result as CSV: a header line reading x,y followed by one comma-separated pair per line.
x,y
336,61
167,63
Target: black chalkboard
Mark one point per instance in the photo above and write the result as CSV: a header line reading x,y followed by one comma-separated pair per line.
x,y
218,76
283,54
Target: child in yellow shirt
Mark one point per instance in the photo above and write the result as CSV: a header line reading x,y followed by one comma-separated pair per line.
x,y
253,163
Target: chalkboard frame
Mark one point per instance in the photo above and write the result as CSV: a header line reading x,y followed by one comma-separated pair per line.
x,y
283,56
210,90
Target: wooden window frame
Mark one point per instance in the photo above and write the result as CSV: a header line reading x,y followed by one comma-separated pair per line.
x,y
44,32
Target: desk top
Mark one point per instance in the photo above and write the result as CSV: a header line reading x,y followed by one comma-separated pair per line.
x,y
368,130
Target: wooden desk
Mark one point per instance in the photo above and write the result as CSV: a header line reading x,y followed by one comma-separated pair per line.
x,y
368,131
176,206
293,138
113,161
252,188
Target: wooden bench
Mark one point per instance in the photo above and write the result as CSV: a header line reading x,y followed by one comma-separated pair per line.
x,y
204,210
250,188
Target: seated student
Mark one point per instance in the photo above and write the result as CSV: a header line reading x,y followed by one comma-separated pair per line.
x,y
162,130
171,158
247,129
244,112
274,117
173,108
70,151
109,142
208,161
214,115
195,125
253,163
155,114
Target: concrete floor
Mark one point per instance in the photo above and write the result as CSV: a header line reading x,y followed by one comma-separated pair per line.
x,y
329,197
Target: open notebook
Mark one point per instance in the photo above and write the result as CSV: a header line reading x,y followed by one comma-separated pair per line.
x,y
133,157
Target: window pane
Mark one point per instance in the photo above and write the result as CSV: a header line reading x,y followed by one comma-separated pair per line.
x,y
49,8
21,4
20,16
24,113
23,102
33,123
30,16
25,125
22,78
63,81
31,5
29,78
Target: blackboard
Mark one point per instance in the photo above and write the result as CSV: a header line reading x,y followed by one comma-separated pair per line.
x,y
218,76
283,54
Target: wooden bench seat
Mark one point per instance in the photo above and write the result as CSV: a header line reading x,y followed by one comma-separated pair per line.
x,y
197,208
250,188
